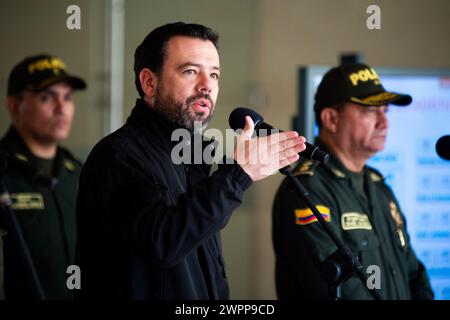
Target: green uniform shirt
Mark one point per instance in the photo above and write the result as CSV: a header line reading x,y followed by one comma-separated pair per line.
x,y
45,209
369,221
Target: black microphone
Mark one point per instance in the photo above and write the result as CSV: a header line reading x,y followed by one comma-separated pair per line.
x,y
443,147
237,121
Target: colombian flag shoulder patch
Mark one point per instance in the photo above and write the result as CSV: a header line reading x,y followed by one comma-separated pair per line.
x,y
305,216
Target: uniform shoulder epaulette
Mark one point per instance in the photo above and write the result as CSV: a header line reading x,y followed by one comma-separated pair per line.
x,y
9,154
69,160
305,168
375,175
21,157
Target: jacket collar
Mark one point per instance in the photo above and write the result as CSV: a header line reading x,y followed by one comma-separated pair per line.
x,y
335,166
157,125
152,121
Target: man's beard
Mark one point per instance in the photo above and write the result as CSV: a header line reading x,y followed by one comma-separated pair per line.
x,y
179,113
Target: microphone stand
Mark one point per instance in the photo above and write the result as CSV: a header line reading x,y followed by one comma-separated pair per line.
x,y
340,265
6,206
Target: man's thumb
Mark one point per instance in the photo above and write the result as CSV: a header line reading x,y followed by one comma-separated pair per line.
x,y
249,127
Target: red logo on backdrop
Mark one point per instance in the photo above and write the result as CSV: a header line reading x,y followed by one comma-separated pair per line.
x,y
445,82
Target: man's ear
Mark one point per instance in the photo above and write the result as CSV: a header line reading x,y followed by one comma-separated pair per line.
x,y
12,104
329,118
149,82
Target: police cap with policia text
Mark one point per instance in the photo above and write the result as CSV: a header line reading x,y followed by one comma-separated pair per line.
x,y
37,72
356,83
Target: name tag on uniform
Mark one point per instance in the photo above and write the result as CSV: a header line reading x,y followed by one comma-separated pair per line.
x,y
355,220
27,201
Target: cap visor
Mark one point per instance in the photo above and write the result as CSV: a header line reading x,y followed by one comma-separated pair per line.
x,y
384,98
75,82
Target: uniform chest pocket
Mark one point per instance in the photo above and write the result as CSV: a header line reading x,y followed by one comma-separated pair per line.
x,y
358,232
365,244
361,240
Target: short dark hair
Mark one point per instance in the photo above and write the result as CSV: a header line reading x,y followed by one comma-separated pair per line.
x,y
18,95
338,107
151,53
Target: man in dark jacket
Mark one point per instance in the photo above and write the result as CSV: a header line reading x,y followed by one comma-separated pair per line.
x,y
41,176
147,224
350,106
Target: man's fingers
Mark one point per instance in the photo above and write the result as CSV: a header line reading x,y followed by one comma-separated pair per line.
x,y
282,136
295,142
283,154
290,146
288,161
297,148
283,142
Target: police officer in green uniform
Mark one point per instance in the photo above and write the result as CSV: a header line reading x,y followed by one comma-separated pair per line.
x,y
40,176
350,107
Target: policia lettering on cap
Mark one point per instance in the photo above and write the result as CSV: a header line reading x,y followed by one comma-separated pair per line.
x,y
350,107
41,176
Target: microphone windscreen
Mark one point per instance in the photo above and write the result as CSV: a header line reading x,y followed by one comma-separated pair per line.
x,y
237,118
443,147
